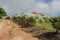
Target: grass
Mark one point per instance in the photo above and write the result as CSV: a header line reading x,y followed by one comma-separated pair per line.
x,y
0,19
45,25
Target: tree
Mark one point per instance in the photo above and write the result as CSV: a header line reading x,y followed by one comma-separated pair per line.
x,y
46,20
56,23
2,13
41,21
57,26
26,20
31,21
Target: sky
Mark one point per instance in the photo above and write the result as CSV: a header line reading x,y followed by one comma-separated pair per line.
x,y
47,7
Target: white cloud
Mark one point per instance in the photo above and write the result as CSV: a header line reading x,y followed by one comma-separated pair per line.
x,y
51,9
15,6
55,7
42,7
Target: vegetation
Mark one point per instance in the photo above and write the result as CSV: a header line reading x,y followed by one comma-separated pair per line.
x,y
44,22
8,17
26,21
2,13
56,23
45,26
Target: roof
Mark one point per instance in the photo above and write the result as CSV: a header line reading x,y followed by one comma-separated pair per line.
x,y
38,13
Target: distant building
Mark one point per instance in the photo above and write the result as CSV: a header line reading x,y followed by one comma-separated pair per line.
x,y
35,13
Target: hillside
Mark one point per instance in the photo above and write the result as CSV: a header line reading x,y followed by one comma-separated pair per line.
x,y
10,31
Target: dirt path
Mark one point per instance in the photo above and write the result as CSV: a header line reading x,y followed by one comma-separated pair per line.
x,y
10,31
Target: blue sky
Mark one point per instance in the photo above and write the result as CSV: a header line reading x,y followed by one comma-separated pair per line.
x,y
48,7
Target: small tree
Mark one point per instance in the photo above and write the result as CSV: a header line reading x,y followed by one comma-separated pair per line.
x,y
40,21
57,26
2,13
31,21
56,23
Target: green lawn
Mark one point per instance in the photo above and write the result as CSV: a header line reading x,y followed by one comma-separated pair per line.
x,y
45,25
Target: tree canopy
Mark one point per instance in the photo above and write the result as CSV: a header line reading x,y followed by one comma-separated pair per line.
x,y
2,13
